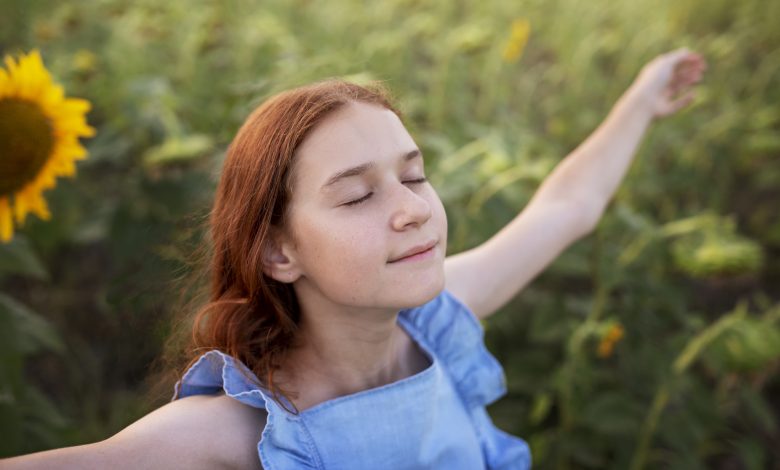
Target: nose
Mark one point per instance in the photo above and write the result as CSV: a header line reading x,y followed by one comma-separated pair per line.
x,y
410,208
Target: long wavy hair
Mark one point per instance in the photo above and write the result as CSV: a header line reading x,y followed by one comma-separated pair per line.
x,y
247,314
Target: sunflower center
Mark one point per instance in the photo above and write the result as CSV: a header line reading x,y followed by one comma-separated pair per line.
x,y
26,141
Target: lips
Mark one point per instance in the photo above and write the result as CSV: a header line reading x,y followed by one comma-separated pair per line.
x,y
415,250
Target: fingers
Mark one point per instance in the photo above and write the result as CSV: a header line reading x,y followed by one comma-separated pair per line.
x,y
683,79
684,100
671,107
687,71
693,67
686,59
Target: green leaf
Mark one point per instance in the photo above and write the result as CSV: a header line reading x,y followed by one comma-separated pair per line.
x,y
613,414
31,330
541,408
18,257
748,345
178,149
758,409
752,453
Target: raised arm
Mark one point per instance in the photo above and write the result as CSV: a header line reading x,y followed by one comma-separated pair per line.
x,y
572,199
204,431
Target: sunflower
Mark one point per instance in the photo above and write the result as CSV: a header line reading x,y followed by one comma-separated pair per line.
x,y
39,138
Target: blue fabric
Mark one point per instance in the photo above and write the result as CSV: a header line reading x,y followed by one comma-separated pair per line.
x,y
434,419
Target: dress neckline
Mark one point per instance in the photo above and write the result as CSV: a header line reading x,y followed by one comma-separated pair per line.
x,y
416,340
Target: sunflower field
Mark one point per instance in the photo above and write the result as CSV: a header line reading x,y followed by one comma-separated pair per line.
x,y
653,342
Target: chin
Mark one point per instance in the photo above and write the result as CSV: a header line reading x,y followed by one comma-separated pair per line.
x,y
422,292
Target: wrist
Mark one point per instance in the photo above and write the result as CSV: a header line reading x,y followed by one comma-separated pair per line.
x,y
635,104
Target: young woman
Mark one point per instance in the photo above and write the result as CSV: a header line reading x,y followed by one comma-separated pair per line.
x,y
338,335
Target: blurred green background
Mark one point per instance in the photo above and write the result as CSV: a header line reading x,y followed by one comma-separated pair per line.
x,y
652,343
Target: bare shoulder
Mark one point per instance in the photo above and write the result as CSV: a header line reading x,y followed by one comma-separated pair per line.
x,y
203,431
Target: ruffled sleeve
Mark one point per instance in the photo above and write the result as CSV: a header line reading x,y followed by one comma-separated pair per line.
x,y
456,337
285,443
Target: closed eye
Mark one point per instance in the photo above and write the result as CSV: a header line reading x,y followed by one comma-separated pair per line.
x,y
365,198
358,201
417,181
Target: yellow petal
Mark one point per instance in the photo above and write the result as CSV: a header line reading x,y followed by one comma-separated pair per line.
x,y
10,64
77,105
40,208
52,97
6,224
21,207
5,83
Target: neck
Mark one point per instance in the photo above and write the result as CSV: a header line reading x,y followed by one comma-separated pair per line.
x,y
344,350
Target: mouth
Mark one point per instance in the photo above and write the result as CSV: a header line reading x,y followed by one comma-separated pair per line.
x,y
418,252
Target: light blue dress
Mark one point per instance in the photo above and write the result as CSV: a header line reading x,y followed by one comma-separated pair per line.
x,y
435,419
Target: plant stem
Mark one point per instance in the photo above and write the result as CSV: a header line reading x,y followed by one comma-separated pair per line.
x,y
648,427
576,342
687,356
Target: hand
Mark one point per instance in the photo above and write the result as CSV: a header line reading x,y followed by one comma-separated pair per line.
x,y
665,84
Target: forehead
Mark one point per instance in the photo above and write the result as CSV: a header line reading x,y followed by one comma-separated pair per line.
x,y
355,134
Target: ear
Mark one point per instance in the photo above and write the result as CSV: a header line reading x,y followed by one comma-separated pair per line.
x,y
279,258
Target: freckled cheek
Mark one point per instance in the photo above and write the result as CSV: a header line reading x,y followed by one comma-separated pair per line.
x,y
351,249
361,251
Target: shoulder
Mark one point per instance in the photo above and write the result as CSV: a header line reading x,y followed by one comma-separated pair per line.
x,y
201,431
454,335
442,314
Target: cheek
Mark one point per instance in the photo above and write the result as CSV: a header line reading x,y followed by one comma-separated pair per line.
x,y
341,249
346,265
439,215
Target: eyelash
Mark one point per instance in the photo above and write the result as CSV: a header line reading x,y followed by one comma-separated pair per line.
x,y
364,198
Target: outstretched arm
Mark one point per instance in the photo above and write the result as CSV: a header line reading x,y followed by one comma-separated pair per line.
x,y
204,431
572,199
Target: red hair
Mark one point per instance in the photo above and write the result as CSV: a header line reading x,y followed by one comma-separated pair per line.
x,y
248,314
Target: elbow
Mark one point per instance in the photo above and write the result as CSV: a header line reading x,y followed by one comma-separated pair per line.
x,y
590,214
590,223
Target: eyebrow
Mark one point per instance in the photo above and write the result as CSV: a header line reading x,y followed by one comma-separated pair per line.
x,y
360,169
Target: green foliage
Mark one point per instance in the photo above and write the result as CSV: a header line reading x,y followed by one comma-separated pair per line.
x,y
685,258
709,253
25,412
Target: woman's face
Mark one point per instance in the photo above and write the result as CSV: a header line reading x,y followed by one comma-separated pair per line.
x,y
359,203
